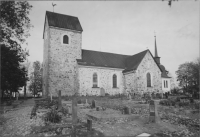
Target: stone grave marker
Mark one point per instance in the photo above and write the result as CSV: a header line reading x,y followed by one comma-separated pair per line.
x,y
153,114
93,104
127,110
144,135
97,108
102,92
89,125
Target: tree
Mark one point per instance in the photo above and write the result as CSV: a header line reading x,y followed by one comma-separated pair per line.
x,y
15,26
13,74
36,79
26,65
172,81
188,76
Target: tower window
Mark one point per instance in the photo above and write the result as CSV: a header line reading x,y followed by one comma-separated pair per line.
x,y
114,81
148,80
65,39
95,81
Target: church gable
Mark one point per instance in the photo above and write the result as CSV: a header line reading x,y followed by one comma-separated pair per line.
x,y
148,74
148,63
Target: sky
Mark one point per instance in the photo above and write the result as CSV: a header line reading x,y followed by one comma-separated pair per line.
x,y
127,27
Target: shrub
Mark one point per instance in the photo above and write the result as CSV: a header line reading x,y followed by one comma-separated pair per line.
x,y
79,101
64,111
147,98
52,116
138,96
191,100
197,106
178,99
167,102
106,94
182,104
158,95
9,103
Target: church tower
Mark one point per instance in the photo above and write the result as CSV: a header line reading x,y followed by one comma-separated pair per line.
x,y
164,75
62,46
156,57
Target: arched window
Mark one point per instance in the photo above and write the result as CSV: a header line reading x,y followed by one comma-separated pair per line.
x,y
65,39
95,80
148,80
114,81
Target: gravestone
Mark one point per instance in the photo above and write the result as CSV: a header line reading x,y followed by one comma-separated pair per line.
x,y
102,92
59,100
89,125
86,102
127,110
93,104
97,108
153,114
144,135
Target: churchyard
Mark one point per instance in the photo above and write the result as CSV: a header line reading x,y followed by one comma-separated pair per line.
x,y
108,115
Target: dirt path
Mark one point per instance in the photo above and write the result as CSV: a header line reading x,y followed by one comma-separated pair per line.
x,y
18,121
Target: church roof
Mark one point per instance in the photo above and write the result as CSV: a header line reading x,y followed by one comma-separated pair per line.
x,y
111,60
164,72
133,61
63,21
102,59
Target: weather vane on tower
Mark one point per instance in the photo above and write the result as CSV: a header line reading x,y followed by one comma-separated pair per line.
x,y
53,6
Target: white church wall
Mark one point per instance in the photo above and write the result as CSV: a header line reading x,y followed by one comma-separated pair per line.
x,y
104,80
166,84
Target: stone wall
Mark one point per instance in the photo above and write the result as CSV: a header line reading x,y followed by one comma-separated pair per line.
x,y
104,80
62,61
45,59
148,65
137,81
130,82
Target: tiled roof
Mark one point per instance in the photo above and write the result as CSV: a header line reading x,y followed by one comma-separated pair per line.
x,y
133,62
63,21
102,59
111,60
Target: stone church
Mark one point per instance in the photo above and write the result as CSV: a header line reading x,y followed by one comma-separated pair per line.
x,y
69,68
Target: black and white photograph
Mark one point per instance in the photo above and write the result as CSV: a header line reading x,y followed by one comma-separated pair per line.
x,y
100,68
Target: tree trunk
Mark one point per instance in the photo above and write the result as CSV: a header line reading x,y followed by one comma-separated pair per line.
x,y
10,94
25,91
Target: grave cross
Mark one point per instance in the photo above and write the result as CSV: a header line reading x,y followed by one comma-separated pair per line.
x,y
59,100
74,115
